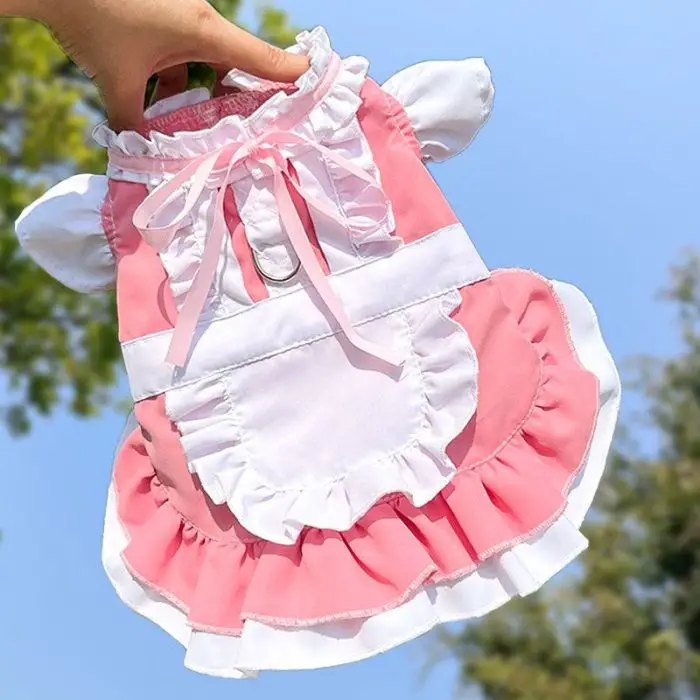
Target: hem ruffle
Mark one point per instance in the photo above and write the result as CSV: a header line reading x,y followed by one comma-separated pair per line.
x,y
263,647
395,586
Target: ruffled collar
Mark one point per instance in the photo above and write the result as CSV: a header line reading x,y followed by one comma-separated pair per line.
x,y
314,44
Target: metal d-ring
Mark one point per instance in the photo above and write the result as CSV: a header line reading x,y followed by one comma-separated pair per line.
x,y
270,278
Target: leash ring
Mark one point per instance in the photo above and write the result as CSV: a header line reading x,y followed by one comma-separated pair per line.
x,y
271,278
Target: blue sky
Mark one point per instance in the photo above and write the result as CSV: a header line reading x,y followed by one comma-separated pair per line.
x,y
586,172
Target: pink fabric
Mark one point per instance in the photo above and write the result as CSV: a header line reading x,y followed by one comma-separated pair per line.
x,y
305,215
144,298
206,114
537,411
418,204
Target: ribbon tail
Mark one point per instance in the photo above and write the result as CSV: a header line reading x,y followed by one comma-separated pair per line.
x,y
188,318
195,173
307,257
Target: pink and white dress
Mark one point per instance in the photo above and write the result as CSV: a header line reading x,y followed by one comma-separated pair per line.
x,y
347,429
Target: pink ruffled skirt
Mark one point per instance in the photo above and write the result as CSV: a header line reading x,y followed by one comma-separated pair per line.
x,y
528,465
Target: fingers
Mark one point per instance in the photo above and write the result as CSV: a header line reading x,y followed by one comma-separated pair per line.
x,y
171,81
207,38
233,47
123,99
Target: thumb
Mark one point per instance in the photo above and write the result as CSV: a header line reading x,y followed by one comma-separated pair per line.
x,y
229,45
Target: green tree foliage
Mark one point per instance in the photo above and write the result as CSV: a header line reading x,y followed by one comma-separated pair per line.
x,y
57,348
625,624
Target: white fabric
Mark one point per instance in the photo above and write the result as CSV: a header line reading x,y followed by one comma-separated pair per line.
x,y
424,269
332,122
519,571
183,256
62,232
175,102
447,102
316,435
282,462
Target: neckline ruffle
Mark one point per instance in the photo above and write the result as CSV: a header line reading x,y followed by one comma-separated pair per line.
x,y
338,106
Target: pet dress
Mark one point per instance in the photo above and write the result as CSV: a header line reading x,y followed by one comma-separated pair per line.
x,y
346,428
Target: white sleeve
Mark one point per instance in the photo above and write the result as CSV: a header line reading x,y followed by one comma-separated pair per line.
x,y
447,102
62,232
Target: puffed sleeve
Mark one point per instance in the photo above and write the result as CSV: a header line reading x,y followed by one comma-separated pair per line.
x,y
62,232
447,102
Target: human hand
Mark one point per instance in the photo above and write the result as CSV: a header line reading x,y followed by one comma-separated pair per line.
x,y
122,43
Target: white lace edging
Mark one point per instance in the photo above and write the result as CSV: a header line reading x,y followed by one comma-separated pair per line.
x,y
518,571
215,446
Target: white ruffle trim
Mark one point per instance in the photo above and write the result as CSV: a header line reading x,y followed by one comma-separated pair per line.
x,y
182,258
325,121
261,647
516,572
222,427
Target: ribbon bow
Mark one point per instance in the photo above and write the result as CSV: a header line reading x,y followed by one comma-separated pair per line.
x,y
214,170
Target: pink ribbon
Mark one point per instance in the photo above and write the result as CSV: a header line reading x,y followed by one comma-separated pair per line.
x,y
214,170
